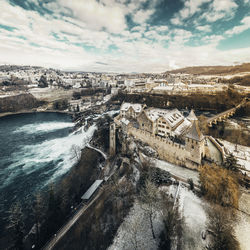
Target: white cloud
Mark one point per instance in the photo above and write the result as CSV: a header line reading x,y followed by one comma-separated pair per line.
x,y
141,16
139,28
204,28
212,39
96,15
245,24
176,21
220,9
135,52
190,8
161,28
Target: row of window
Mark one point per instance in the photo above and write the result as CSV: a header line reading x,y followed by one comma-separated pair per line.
x,y
162,122
191,140
162,126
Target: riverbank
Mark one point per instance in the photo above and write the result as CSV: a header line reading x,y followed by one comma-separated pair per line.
x,y
38,152
35,111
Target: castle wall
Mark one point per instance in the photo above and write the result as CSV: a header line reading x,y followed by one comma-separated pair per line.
x,y
167,150
218,146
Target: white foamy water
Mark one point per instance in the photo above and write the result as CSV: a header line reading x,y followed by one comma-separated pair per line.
x,y
33,157
43,127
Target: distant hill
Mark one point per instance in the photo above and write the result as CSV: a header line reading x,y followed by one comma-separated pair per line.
x,y
213,70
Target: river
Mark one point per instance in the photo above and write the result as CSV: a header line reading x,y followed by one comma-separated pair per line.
x,y
35,150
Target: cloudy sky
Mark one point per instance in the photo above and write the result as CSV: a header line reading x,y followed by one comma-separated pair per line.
x,y
124,35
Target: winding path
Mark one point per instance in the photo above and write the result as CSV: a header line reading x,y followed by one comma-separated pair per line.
x,y
98,150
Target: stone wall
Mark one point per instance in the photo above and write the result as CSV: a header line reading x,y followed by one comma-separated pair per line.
x,y
217,145
167,150
196,149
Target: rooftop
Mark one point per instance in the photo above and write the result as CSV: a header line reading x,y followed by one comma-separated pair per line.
x,y
194,132
173,116
136,106
91,190
192,116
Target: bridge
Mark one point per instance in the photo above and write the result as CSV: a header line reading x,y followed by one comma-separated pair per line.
x,y
225,115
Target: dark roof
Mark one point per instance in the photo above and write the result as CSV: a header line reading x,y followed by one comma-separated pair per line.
x,y
194,132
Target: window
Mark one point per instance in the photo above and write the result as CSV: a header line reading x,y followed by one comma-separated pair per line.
x,y
192,146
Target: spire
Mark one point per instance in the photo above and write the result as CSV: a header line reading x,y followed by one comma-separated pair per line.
x,y
192,117
194,132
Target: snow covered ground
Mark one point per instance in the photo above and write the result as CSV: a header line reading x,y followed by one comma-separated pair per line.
x,y
136,227
242,229
135,231
178,171
242,153
192,208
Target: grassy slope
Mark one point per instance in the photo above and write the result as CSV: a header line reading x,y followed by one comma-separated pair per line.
x,y
211,70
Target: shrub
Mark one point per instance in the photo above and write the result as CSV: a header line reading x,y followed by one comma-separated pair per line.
x,y
61,104
191,183
219,185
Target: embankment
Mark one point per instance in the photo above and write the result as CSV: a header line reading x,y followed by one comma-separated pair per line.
x,y
96,228
219,102
60,199
18,102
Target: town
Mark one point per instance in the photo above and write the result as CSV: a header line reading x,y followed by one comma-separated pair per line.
x,y
173,130
125,125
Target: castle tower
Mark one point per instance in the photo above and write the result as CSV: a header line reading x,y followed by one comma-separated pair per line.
x,y
112,139
195,143
192,117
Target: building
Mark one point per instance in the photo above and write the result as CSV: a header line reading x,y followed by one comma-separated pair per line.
x,y
176,138
130,110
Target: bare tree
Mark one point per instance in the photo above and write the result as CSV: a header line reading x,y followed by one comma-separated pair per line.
x,y
133,229
16,224
76,152
173,224
149,201
221,229
38,212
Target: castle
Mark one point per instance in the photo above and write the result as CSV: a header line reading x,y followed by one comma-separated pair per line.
x,y
176,138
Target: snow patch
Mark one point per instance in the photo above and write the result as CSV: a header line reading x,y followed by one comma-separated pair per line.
x,y
136,230
192,209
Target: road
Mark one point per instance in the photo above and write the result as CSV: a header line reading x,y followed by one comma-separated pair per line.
x,y
59,235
